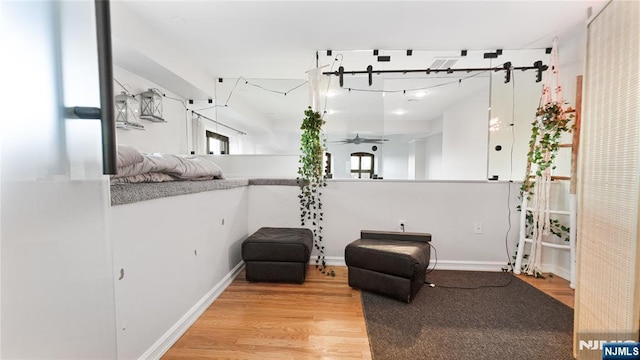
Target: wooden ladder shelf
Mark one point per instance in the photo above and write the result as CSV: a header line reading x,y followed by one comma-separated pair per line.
x,y
574,146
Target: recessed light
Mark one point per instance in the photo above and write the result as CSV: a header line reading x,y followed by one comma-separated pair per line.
x,y
421,94
399,112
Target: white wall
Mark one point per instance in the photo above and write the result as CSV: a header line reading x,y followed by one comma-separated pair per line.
x,y
182,132
448,210
433,157
395,155
273,205
520,97
167,137
174,252
143,49
465,138
417,159
258,166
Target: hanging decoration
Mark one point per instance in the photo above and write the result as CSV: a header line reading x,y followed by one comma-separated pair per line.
x,y
127,111
550,123
311,182
151,106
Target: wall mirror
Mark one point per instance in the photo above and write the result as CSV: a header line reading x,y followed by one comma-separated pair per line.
x,y
399,125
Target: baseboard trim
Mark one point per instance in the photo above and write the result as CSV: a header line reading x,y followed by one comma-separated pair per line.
x,y
468,265
442,264
172,335
329,260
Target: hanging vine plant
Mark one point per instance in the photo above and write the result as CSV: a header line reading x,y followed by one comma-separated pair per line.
x,y
550,124
311,181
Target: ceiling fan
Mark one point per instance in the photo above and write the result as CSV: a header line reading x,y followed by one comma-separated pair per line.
x,y
360,140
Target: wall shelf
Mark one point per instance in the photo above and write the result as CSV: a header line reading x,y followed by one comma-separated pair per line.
x,y
153,119
129,126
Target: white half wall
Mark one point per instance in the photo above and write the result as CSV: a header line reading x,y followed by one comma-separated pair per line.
x,y
173,252
447,210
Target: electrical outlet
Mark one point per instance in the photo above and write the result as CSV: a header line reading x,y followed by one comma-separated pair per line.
x,y
402,225
477,228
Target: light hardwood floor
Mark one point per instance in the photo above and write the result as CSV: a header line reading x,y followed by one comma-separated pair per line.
x,y
554,286
320,319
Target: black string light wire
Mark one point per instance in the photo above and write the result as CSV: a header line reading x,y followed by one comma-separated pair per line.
x,y
404,91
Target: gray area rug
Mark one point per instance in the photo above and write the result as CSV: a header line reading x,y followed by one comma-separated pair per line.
x,y
516,322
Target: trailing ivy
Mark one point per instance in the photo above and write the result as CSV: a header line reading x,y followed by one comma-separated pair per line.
x,y
311,181
546,132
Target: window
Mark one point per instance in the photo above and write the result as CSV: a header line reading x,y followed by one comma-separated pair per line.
x,y
361,165
217,144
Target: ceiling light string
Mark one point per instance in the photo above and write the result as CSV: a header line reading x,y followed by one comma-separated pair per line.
x,y
247,82
232,90
274,91
163,94
210,107
184,105
128,91
202,116
404,91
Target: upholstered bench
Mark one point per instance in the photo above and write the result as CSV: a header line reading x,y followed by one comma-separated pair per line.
x,y
388,263
277,254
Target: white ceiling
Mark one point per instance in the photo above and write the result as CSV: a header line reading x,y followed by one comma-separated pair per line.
x,y
274,43
278,39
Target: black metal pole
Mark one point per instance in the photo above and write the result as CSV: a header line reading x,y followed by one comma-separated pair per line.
x,y
431,71
105,69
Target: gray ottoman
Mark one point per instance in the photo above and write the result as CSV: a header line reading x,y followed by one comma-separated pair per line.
x,y
389,263
277,254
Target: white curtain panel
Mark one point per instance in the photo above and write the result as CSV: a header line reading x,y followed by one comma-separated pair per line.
x,y
607,302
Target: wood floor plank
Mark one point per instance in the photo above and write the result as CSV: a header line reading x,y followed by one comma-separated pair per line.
x,y
554,286
320,319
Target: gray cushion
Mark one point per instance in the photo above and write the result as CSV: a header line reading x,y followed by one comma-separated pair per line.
x,y
395,235
278,244
399,258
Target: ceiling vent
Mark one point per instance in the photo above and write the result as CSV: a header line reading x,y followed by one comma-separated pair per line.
x,y
443,63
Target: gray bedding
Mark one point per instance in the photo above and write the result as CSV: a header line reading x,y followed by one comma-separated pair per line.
x,y
136,167
144,176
